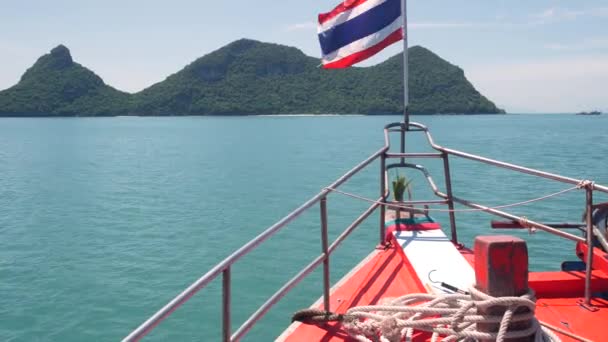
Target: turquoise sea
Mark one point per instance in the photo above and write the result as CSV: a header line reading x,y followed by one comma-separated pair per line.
x,y
103,221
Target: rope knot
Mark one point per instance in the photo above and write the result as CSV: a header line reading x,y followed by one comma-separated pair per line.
x,y
390,329
524,222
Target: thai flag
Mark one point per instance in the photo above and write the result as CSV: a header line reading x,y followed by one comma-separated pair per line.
x,y
357,30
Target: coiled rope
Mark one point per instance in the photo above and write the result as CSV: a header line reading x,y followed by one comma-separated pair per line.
x,y
451,316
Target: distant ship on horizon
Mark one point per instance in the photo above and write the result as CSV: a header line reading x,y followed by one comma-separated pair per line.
x,y
595,112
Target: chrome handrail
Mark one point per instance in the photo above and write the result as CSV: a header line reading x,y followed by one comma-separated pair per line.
x,y
501,164
224,267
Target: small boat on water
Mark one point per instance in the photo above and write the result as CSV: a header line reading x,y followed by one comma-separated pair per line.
x,y
595,112
420,282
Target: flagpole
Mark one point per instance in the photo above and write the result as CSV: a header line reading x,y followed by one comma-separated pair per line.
x,y
406,114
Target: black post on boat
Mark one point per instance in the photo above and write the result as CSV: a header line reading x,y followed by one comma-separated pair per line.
x,y
325,251
406,102
589,237
406,118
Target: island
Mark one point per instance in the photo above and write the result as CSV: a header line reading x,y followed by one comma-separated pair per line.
x,y
248,77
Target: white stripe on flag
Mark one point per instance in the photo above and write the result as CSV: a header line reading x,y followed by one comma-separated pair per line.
x,y
348,15
363,43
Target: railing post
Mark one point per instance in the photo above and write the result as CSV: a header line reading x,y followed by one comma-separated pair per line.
x,y
403,129
383,197
589,219
448,185
226,322
325,249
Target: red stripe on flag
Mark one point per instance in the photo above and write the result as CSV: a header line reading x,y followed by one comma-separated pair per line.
x,y
343,7
367,53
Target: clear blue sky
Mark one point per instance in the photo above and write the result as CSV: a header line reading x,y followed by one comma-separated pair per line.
x,y
527,56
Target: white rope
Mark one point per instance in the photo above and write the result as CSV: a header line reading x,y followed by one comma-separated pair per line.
x,y
452,317
457,210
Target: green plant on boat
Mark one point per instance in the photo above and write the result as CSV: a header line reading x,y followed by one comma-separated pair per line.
x,y
400,184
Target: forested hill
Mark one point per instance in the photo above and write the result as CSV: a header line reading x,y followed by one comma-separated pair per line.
x,y
249,77
56,85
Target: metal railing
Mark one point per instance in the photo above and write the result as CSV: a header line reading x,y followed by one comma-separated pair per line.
x,y
588,186
224,268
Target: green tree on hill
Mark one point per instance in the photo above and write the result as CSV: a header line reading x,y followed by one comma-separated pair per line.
x,y
249,77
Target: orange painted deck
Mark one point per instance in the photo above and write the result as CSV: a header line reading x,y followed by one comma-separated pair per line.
x,y
382,275
567,314
387,274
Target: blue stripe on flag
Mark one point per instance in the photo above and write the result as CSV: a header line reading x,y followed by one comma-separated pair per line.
x,y
362,26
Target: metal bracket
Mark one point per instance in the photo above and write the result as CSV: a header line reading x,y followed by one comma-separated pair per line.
x,y
589,307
